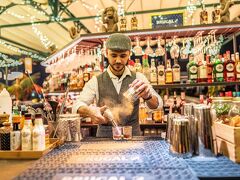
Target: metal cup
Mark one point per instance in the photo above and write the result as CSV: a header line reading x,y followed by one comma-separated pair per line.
x,y
204,123
180,143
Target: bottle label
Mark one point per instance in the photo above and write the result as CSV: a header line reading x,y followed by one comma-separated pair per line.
x,y
168,77
219,68
153,77
176,75
161,77
193,69
209,70
26,140
86,77
15,140
219,75
203,72
230,74
230,67
238,67
193,76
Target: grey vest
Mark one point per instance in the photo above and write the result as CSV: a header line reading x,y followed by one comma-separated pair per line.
x,y
108,96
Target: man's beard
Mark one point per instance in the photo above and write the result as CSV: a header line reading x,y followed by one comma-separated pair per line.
x,y
117,69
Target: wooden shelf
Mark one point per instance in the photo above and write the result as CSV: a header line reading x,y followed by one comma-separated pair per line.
x,y
170,86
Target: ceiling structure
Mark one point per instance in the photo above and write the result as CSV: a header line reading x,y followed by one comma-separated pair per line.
x,y
32,28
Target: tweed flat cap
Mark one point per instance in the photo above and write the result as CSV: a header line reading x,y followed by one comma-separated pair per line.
x,y
118,42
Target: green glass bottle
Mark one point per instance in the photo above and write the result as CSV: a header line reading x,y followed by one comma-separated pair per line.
x,y
218,69
192,68
145,67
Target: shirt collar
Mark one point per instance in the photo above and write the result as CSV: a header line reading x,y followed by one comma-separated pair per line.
x,y
126,72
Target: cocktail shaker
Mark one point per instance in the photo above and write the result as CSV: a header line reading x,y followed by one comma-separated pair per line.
x,y
180,141
204,123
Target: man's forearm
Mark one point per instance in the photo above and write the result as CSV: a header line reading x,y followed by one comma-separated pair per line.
x,y
153,102
85,111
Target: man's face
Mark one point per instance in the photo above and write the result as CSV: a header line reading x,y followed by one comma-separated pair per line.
x,y
117,60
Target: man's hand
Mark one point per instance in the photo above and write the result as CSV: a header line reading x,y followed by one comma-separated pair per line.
x,y
142,89
95,113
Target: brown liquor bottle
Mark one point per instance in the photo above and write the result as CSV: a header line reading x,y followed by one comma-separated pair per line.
x,y
176,72
229,68
168,73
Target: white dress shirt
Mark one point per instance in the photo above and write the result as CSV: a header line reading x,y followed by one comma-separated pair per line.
x,y
90,90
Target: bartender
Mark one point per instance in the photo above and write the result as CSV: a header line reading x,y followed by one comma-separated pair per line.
x,y
107,90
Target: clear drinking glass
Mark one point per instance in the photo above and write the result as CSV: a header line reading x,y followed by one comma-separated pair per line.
x,y
117,132
127,132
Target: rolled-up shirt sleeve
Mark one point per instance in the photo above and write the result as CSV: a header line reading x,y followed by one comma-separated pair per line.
x,y
144,79
87,95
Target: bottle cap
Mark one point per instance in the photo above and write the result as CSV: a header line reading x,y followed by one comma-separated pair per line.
x,y
28,116
38,115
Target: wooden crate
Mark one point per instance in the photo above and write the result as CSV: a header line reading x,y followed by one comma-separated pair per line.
x,y
229,133
230,150
19,154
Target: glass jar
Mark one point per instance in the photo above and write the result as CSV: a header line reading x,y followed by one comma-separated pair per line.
x,y
220,108
234,113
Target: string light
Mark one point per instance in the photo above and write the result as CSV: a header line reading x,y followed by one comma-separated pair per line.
x,y
98,20
121,11
15,49
8,62
14,14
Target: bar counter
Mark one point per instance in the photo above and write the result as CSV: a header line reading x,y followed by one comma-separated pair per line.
x,y
142,158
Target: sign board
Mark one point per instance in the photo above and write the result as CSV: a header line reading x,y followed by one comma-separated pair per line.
x,y
167,20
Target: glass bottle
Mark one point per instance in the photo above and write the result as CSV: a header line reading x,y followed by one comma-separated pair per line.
x,y
166,106
168,73
202,70
38,134
175,108
209,69
153,74
16,136
86,74
97,68
203,15
145,68
229,67
161,73
192,70
237,67
142,111
182,102
137,65
176,72
5,136
26,133
218,69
